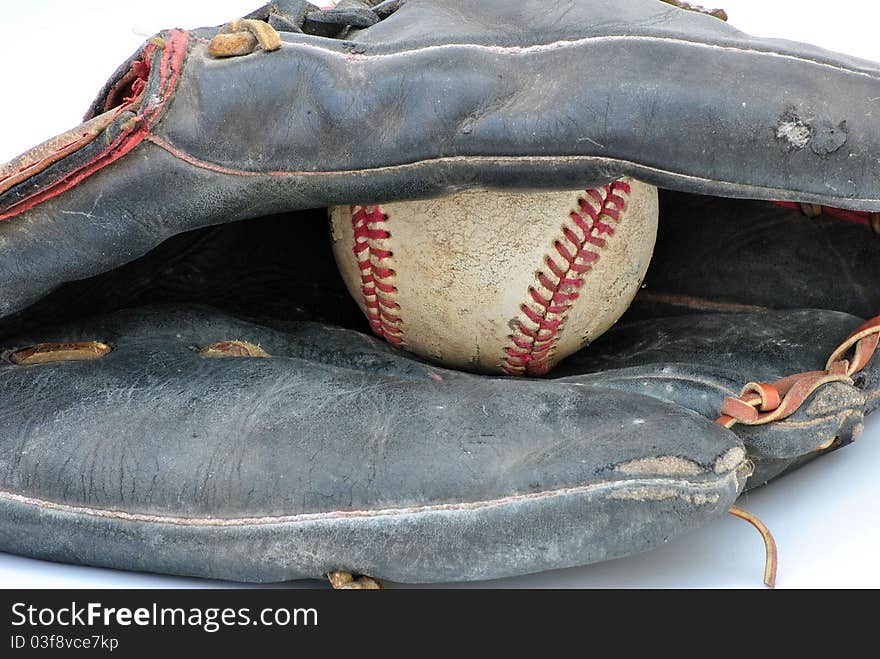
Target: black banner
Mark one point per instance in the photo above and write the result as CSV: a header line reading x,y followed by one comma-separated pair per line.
x,y
118,622
129,622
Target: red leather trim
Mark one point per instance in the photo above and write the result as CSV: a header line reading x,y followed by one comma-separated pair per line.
x,y
169,73
856,217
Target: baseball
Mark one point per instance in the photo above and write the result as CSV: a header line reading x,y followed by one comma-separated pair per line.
x,y
498,282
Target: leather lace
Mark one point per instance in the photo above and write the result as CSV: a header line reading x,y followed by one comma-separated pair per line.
x,y
262,28
761,403
301,16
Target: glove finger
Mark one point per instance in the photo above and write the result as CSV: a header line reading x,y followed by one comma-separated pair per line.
x,y
271,467
516,100
699,359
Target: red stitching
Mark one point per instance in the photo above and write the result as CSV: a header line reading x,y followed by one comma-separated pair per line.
x,y
373,262
538,329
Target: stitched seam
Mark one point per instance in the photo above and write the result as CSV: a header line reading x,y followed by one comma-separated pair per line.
x,y
577,490
576,43
537,331
638,171
374,259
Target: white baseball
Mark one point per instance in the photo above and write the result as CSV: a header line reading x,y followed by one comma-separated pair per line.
x,y
498,282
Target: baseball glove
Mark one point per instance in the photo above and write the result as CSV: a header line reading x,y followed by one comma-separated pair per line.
x,y
188,388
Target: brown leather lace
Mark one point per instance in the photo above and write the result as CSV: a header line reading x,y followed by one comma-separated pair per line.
x,y
242,37
760,403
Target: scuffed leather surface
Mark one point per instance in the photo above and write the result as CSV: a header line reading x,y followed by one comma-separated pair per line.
x,y
697,361
154,428
257,433
627,88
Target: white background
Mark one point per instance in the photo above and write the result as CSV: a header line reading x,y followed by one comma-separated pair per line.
x,y
56,54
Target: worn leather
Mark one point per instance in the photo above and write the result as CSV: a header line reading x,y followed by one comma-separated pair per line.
x,y
336,451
